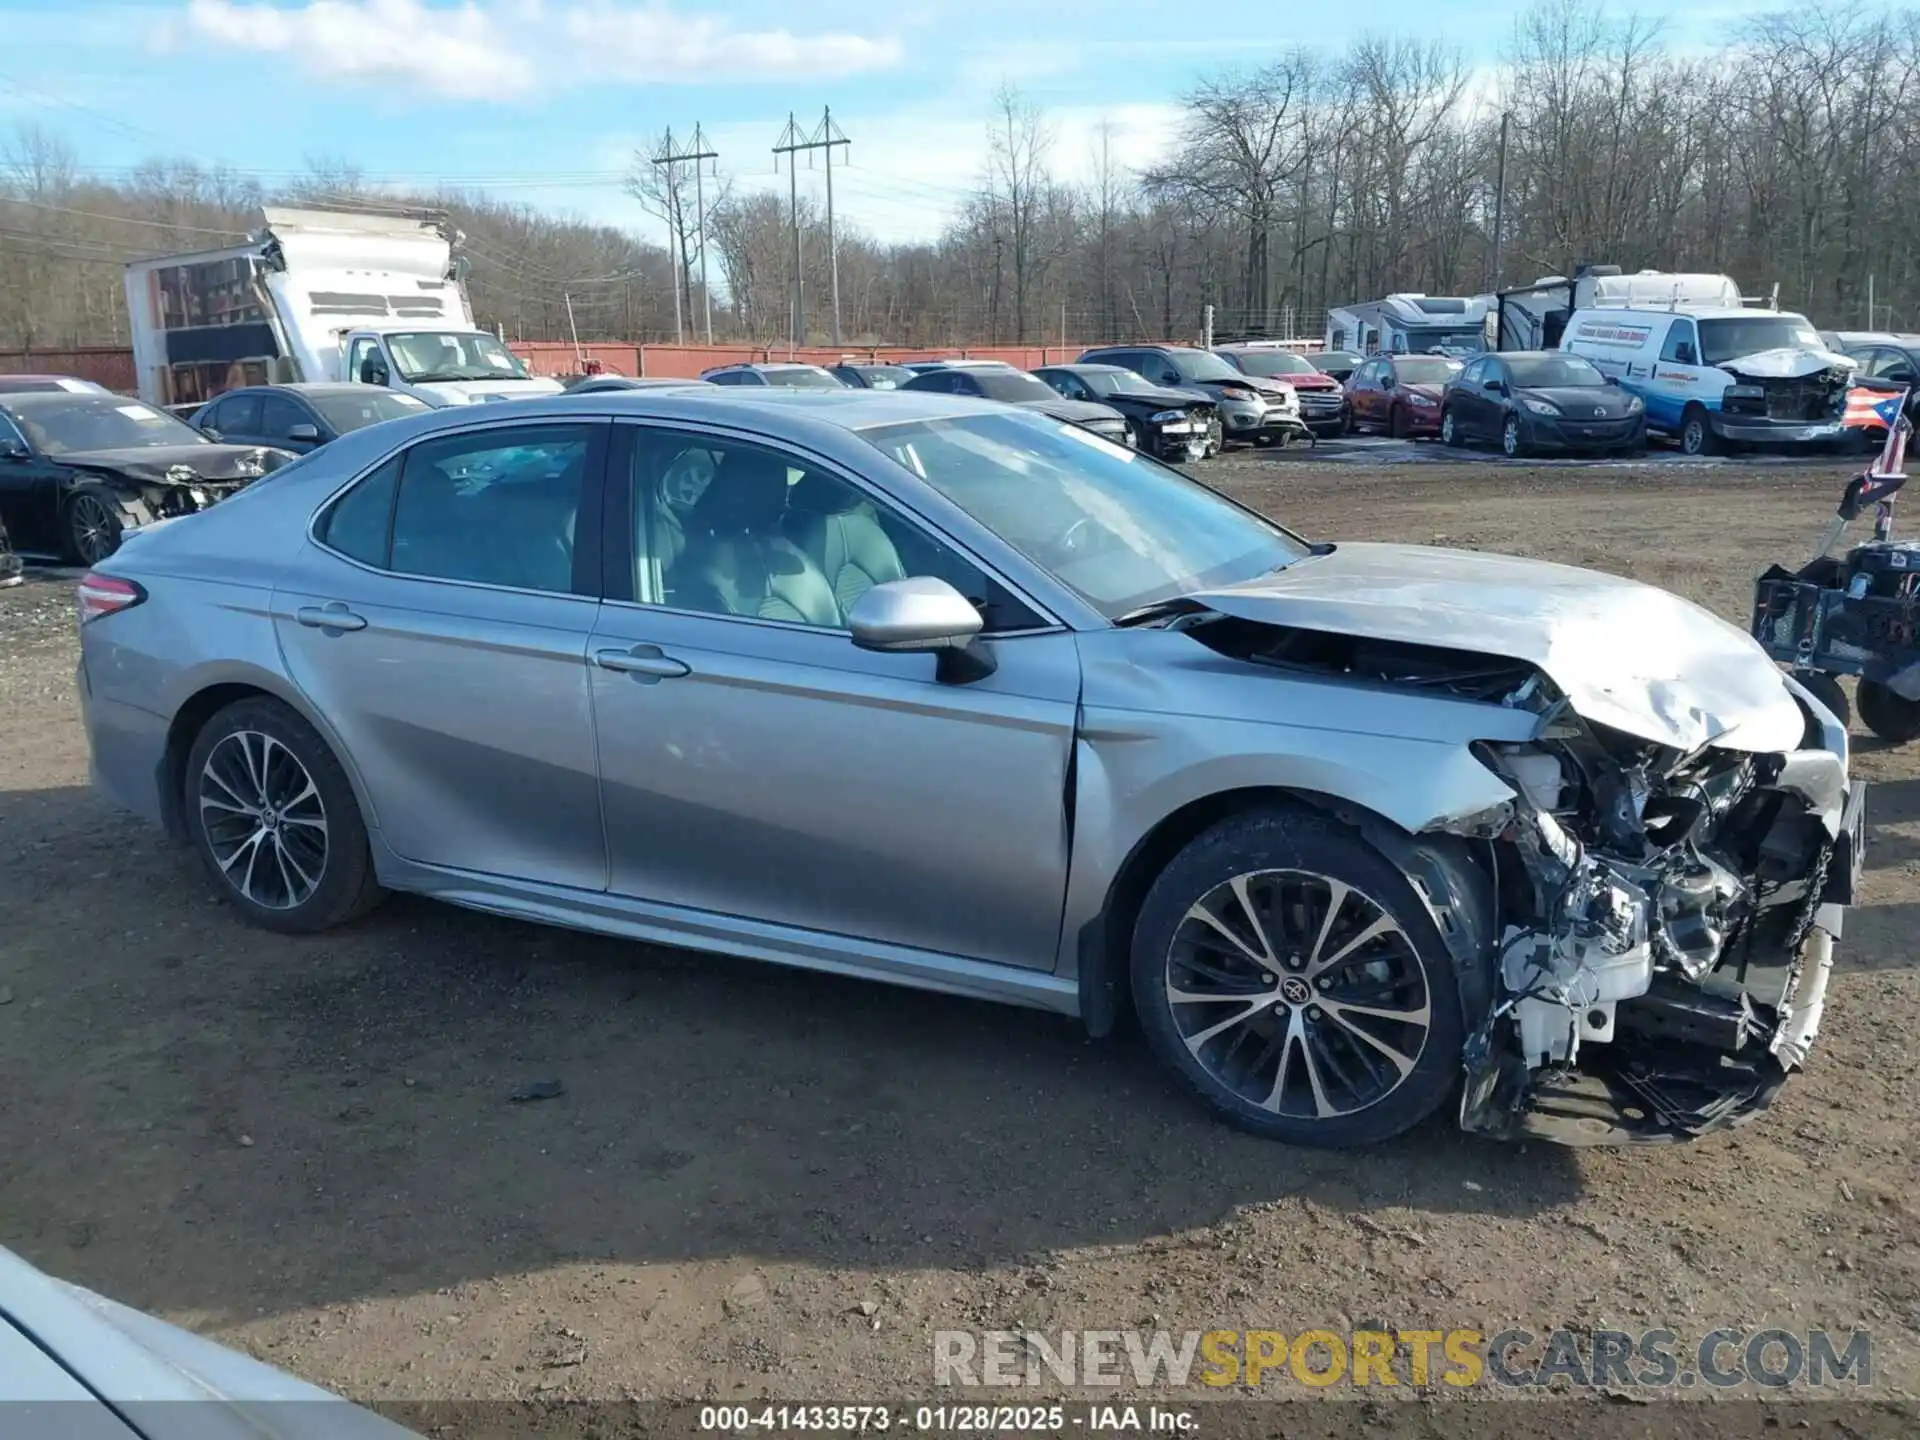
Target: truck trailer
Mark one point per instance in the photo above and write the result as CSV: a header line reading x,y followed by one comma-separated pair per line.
x,y
319,295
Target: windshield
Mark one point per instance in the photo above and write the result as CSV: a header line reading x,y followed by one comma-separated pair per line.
x,y
1119,529
1335,360
356,411
1724,340
425,356
1555,370
1118,382
65,423
1012,386
1200,365
1424,370
1272,362
804,377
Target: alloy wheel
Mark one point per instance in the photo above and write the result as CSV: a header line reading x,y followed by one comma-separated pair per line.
x,y
93,527
264,820
1448,436
1510,436
1299,993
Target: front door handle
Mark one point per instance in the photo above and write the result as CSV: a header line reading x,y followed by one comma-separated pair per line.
x,y
646,663
333,616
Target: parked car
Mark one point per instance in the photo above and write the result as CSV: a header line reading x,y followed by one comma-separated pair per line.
x,y
867,376
992,380
1531,400
73,1363
301,417
1323,403
28,384
1171,424
786,375
1356,829
1340,364
1252,409
1399,394
605,384
77,469
1887,363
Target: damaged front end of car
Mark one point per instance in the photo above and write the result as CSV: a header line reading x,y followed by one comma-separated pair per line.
x,y
1666,928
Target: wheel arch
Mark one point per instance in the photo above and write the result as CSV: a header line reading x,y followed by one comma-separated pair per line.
x,y
208,698
1455,889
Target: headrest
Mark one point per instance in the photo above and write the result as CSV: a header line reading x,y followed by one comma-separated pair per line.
x,y
823,495
748,493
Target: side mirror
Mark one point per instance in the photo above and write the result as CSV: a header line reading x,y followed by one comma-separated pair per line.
x,y
14,450
308,434
921,614
209,432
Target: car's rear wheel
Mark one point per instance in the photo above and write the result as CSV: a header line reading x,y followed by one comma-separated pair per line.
x,y
1288,972
1894,718
95,520
275,819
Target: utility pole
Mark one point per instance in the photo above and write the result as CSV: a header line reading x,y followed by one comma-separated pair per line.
x,y
825,137
789,142
698,154
1500,203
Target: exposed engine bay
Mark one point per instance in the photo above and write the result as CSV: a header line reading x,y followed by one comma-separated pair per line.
x,y
1789,399
1662,918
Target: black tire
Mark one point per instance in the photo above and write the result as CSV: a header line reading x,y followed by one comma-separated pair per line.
x,y
1513,440
1696,434
1894,718
344,886
1450,434
92,519
1291,852
1826,689
1397,423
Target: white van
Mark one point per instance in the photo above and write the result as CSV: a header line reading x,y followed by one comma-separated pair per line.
x,y
1710,375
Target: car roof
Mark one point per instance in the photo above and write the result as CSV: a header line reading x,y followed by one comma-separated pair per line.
x,y
73,384
1696,312
300,387
1092,367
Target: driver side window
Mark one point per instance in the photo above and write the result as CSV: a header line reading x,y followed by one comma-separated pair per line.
x,y
723,527
364,349
1680,348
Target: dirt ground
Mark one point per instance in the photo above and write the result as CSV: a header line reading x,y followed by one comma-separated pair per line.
x,y
770,1183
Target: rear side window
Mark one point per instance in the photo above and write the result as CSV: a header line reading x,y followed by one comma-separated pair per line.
x,y
239,415
361,521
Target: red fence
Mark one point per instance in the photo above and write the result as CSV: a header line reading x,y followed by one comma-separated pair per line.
x,y
113,367
103,364
684,362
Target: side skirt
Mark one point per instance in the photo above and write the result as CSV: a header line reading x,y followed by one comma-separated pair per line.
x,y
658,924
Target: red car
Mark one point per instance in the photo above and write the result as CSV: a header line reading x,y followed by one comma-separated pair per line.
x,y
1399,394
1323,404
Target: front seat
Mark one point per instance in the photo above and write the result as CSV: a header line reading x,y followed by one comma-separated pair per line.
x,y
737,560
835,525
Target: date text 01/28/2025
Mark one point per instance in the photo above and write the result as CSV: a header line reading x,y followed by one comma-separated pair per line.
x,y
960,1419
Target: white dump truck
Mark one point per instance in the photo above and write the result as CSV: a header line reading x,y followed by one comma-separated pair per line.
x,y
320,295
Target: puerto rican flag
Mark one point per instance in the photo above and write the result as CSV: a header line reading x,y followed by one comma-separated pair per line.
x,y
1869,409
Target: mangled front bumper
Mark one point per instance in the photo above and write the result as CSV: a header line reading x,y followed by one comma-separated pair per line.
x,y
1666,989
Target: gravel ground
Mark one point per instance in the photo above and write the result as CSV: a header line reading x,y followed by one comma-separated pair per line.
x,y
769,1183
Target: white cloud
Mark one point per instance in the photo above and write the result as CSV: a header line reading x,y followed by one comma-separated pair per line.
x,y
508,47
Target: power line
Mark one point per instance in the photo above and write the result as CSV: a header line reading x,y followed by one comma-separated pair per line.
x,y
698,154
825,137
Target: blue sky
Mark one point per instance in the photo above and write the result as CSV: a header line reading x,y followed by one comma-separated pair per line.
x,y
545,100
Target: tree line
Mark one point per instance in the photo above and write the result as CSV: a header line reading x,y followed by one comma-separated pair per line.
x,y
1788,156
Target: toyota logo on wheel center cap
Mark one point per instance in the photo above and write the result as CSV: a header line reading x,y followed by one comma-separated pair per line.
x,y
1294,990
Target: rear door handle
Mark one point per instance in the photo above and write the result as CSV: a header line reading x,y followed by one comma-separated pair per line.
x,y
333,616
646,663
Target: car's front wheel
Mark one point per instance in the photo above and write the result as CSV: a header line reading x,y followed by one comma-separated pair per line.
x,y
1288,972
1513,444
275,819
95,520
1893,717
1450,430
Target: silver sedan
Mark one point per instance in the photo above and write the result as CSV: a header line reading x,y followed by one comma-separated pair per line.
x,y
931,691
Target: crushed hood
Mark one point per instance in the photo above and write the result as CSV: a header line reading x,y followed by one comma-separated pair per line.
x,y
179,464
1076,412
1625,655
1788,362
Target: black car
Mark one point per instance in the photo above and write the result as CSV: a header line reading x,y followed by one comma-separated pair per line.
x,y
1532,400
1889,363
868,375
991,380
1340,364
77,469
1170,424
299,417
605,384
1252,409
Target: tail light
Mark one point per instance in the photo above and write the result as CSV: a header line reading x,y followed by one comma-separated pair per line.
x,y
100,595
